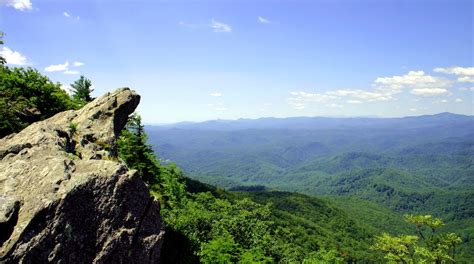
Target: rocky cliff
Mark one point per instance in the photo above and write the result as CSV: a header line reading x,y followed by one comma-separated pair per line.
x,y
66,198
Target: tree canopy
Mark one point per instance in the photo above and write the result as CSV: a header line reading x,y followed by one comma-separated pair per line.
x,y
428,246
27,96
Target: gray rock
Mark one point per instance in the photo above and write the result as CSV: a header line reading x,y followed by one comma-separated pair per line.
x,y
65,197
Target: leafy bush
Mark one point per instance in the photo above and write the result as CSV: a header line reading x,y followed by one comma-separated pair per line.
x,y
26,96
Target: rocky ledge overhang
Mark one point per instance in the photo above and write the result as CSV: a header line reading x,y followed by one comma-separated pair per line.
x,y
65,197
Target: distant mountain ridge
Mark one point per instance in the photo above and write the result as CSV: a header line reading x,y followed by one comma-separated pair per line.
x,y
421,164
317,122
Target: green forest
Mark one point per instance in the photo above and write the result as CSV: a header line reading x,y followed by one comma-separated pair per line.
x,y
374,170
251,226
363,212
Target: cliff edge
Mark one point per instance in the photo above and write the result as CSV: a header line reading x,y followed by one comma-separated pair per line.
x,y
65,197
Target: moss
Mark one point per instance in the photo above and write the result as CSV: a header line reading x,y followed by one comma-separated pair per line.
x,y
71,156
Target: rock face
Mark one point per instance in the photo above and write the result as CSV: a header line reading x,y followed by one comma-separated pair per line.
x,y
66,198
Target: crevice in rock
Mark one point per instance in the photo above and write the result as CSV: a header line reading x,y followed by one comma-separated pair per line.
x,y
15,149
88,138
96,115
6,228
69,144
142,217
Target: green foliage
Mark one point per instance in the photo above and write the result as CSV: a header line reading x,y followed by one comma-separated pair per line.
x,y
81,90
398,249
26,96
214,226
165,181
2,59
424,220
238,226
376,173
324,257
135,152
210,225
219,250
428,247
73,127
312,224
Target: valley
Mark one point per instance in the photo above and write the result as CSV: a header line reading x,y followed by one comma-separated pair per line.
x,y
374,169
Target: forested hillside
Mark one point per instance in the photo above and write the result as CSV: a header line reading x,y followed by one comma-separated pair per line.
x,y
380,166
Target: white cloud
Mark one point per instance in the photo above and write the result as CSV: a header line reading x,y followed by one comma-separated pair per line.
x,y
458,100
298,100
466,79
334,105
354,102
456,70
465,74
298,106
376,95
263,20
418,82
64,68
384,89
57,67
68,15
78,63
67,88
216,94
413,109
413,79
218,107
220,27
443,101
430,91
14,57
467,89
70,72
21,5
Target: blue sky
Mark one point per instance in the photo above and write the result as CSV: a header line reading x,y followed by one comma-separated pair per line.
x,y
201,60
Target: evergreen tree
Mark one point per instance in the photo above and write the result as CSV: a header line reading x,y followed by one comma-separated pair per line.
x,y
81,89
165,181
135,152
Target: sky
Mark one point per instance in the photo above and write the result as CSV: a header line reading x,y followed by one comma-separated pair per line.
x,y
204,60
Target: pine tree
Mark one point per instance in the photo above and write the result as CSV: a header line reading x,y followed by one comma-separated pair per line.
x,y
135,152
82,89
166,182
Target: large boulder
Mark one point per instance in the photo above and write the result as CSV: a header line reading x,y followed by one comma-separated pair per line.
x,y
65,197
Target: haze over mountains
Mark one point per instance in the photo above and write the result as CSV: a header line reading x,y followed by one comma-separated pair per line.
x,y
420,164
263,150
270,147
295,123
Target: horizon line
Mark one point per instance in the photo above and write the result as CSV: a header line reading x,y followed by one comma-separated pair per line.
x,y
289,117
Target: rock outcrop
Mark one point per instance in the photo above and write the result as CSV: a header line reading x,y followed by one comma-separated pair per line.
x,y
65,197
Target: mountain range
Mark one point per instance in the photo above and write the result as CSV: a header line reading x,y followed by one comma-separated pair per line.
x,y
419,164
